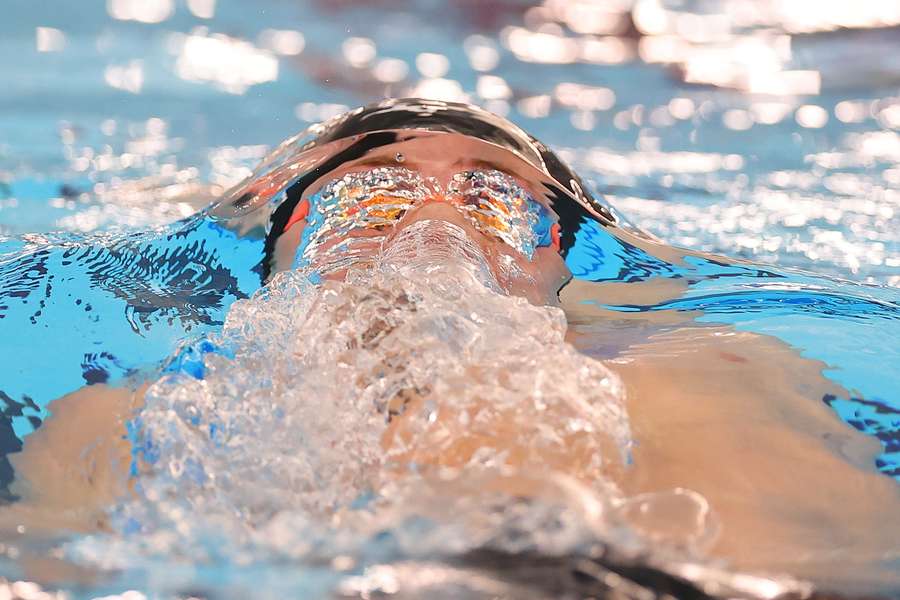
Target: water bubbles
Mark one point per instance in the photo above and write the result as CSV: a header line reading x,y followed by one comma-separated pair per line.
x,y
679,518
438,367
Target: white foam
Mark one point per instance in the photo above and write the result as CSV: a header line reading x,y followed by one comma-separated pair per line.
x,y
282,438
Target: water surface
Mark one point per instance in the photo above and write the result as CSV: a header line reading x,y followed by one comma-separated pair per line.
x,y
118,128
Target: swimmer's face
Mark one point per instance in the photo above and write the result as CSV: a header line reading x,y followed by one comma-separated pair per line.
x,y
349,216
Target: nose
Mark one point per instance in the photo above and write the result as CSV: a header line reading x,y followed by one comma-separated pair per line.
x,y
437,208
537,279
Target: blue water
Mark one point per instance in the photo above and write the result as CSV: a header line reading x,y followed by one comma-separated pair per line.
x,y
61,106
96,286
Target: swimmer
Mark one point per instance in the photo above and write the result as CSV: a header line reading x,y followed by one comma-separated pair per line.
x,y
733,416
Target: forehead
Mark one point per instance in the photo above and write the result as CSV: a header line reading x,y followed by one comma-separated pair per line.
x,y
417,114
441,156
441,148
424,167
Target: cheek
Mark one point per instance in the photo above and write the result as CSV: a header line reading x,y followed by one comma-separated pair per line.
x,y
286,247
550,271
540,279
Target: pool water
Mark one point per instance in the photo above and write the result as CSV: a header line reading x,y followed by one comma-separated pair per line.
x,y
738,130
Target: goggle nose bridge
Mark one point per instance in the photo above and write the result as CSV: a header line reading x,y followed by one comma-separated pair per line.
x,y
492,201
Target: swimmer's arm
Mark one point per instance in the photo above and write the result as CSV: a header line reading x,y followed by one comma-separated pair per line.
x,y
76,464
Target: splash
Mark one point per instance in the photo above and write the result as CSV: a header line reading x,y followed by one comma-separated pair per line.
x,y
374,201
351,402
411,409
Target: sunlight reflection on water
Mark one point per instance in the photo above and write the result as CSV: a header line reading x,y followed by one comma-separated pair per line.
x,y
759,130
616,92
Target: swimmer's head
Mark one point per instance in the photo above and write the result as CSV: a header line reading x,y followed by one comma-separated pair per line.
x,y
340,198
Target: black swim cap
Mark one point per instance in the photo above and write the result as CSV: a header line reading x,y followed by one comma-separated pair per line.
x,y
302,160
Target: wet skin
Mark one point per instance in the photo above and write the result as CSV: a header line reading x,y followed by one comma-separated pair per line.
x,y
730,415
538,279
723,413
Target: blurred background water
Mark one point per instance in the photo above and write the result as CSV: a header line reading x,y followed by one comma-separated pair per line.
x,y
754,129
